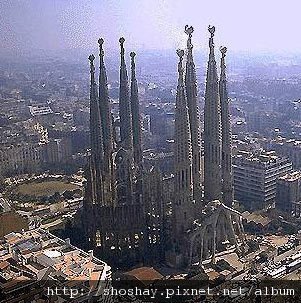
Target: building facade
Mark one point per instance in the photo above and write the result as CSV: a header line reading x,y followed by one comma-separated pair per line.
x,y
123,206
288,148
288,197
131,213
256,175
21,158
201,224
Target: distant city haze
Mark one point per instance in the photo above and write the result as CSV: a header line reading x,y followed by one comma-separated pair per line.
x,y
251,26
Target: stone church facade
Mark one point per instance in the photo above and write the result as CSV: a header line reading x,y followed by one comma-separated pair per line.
x,y
128,216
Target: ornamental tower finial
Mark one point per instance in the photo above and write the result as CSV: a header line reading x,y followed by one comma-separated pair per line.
x,y
223,50
92,70
101,52
211,30
189,31
91,59
122,51
133,65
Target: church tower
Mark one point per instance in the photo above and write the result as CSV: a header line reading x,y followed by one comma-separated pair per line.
x,y
227,176
194,117
126,133
96,157
183,194
123,158
136,125
106,123
136,122
105,110
212,129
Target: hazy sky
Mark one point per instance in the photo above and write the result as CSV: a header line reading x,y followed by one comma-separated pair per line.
x,y
248,25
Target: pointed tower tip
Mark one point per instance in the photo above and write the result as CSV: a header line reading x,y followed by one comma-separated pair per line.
x,y
101,51
211,30
189,30
122,51
132,55
91,58
180,53
100,41
92,67
223,50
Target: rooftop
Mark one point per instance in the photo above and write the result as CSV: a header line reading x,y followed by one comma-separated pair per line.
x,y
291,177
37,254
39,110
259,157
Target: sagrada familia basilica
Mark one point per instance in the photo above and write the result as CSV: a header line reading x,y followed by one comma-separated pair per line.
x,y
131,213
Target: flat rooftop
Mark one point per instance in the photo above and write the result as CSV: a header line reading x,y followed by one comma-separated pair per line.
x,y
291,177
37,254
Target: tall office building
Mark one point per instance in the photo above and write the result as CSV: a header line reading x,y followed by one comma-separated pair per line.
x,y
256,175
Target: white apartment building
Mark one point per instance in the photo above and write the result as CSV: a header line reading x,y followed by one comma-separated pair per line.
x,y
256,175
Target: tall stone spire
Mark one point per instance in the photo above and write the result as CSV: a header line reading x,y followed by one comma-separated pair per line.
x,y
105,110
183,211
227,176
212,129
126,133
136,122
96,157
194,117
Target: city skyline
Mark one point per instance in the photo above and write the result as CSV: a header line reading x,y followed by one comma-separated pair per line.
x,y
140,144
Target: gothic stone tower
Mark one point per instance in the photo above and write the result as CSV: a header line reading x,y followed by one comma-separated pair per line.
x,y
183,194
227,175
126,132
198,235
106,124
136,121
123,207
123,158
96,141
212,129
136,126
194,118
105,110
